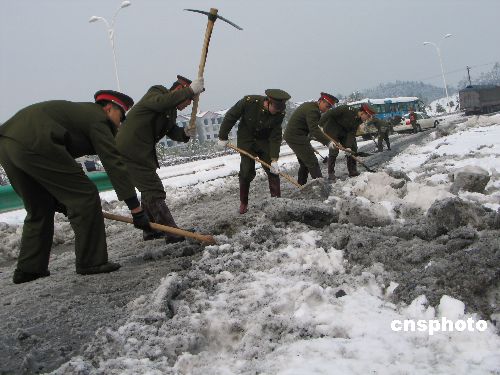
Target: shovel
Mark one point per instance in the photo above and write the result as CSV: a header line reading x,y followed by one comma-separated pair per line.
x,y
325,158
350,152
204,238
284,175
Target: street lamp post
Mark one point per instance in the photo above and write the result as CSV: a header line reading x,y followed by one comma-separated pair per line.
x,y
442,70
111,33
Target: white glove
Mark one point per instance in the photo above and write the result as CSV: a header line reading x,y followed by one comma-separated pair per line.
x,y
275,168
221,144
331,146
197,85
190,132
348,150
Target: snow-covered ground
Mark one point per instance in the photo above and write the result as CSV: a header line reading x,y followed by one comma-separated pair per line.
x,y
278,296
432,108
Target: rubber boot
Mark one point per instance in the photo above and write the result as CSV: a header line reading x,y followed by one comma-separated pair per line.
x,y
274,185
351,167
315,172
159,212
331,169
244,191
25,277
150,234
302,175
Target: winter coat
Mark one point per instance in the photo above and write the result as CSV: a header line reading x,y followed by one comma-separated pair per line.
x,y
149,120
257,124
303,125
342,123
58,127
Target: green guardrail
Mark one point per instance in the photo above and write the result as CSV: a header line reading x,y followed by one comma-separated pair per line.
x,y
9,200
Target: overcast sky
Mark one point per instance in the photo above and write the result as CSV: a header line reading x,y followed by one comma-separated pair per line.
x,y
49,50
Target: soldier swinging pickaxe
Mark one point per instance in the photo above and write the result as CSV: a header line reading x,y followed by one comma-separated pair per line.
x,y
212,17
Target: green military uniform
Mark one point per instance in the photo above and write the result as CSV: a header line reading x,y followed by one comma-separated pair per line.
x,y
383,128
413,121
149,120
341,124
259,133
301,128
37,150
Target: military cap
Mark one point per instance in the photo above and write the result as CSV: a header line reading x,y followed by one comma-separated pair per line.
x,y
365,107
183,80
329,98
121,100
278,98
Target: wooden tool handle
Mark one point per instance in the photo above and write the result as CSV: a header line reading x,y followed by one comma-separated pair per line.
x,y
207,239
350,152
284,175
203,60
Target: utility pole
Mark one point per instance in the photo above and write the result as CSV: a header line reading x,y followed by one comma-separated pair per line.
x,y
468,74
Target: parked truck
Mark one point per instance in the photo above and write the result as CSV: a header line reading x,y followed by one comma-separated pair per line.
x,y
479,99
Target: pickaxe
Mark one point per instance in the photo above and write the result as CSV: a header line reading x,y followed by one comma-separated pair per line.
x,y
243,152
212,17
348,151
204,238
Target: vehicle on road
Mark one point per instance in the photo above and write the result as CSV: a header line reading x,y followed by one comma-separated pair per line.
x,y
479,99
388,109
424,121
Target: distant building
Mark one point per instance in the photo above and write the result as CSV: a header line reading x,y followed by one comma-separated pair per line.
x,y
207,126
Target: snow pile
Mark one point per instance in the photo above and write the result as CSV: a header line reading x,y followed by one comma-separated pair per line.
x,y
473,143
254,305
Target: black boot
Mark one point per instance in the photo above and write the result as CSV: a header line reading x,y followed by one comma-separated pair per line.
x,y
24,277
244,191
315,172
302,175
331,168
150,234
351,167
160,214
102,268
274,185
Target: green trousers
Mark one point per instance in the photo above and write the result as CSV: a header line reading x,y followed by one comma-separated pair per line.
x,y
145,179
40,180
259,148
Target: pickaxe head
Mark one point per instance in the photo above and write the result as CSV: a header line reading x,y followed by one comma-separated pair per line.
x,y
213,16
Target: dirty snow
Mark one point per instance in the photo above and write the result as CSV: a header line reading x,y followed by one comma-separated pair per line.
x,y
310,283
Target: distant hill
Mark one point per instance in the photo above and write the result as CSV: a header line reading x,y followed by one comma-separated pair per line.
x,y
424,91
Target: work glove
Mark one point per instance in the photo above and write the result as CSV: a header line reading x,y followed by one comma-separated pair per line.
x,y
331,146
197,85
221,144
190,132
141,220
275,168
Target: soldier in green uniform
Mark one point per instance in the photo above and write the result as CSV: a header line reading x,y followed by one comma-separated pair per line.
x,y
260,134
413,120
152,118
341,124
383,128
37,150
301,128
